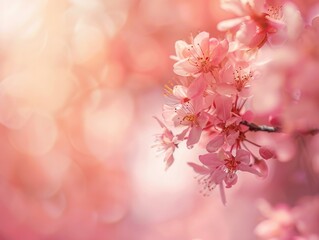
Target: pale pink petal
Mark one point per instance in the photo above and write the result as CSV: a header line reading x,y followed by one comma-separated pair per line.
x,y
266,152
274,25
184,68
315,23
258,5
232,120
277,38
246,168
268,229
219,52
231,179
208,101
262,167
227,74
194,136
175,58
215,144
167,136
243,156
199,169
247,32
211,160
294,21
202,40
169,158
245,92
213,42
198,104
160,122
226,89
228,24
168,114
223,107
197,87
257,39
203,119
218,176
181,136
180,47
233,6
180,91
231,138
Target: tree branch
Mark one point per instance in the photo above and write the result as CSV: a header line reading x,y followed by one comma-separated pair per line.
x,y
255,128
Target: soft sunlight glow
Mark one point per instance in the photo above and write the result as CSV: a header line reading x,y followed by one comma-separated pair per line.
x,y
101,137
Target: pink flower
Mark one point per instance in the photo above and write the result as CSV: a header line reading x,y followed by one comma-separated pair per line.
x,y
222,167
235,81
190,114
226,124
255,22
279,223
166,142
201,56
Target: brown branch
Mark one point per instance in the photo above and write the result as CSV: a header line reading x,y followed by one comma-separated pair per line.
x,y
255,128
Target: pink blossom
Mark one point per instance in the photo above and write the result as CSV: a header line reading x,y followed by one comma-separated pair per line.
x,y
221,168
290,84
190,114
167,143
201,56
279,223
256,20
235,81
226,124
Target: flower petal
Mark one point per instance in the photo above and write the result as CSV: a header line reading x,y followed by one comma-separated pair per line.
x,y
231,179
223,107
215,144
246,168
197,87
169,158
199,169
202,40
180,91
230,23
203,119
243,156
194,136
184,68
211,160
160,122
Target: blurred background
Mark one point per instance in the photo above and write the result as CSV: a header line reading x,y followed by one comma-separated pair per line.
x,y
80,82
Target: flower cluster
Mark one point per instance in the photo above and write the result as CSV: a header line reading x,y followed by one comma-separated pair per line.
x,y
213,100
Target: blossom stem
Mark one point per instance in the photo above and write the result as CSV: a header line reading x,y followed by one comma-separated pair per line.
x,y
255,144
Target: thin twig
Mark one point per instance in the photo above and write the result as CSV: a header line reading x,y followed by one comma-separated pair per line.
x,y
255,128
